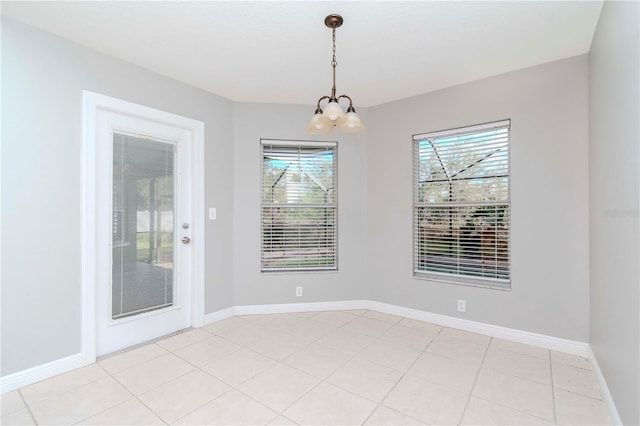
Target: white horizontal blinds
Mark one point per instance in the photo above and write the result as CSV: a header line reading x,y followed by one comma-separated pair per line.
x,y
299,206
462,204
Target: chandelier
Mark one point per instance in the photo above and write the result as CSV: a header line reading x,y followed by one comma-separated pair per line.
x,y
324,120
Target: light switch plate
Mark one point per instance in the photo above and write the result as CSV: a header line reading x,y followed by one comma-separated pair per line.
x,y
212,213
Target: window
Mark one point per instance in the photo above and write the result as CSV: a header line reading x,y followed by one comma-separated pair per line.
x,y
299,206
461,205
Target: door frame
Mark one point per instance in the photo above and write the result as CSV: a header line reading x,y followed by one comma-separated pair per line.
x,y
92,104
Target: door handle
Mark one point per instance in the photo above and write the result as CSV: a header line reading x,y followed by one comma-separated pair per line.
x,y
186,240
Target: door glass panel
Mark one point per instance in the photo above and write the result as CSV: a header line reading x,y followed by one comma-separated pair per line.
x,y
143,226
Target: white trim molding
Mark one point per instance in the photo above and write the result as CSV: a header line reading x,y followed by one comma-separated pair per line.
x,y
283,308
606,394
548,342
41,372
301,307
93,104
218,316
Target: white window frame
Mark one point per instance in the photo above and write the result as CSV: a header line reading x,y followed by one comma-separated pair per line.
x,y
333,205
419,270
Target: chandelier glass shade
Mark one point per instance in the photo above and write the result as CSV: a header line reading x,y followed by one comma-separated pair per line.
x,y
332,115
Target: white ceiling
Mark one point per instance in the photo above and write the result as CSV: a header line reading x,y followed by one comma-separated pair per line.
x,y
280,51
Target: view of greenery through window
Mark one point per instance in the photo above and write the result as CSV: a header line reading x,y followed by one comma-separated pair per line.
x,y
461,204
152,219
298,207
155,197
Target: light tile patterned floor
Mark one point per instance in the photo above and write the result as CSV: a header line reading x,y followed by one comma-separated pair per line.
x,y
334,367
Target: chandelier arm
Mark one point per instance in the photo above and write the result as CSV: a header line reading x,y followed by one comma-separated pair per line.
x,y
321,99
318,109
347,97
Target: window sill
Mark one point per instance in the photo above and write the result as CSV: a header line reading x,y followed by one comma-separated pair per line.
x,y
298,272
464,281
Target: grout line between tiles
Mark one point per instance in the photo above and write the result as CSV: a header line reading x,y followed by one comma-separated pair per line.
x,y
484,356
272,419
299,398
219,357
553,391
166,352
24,401
285,418
513,409
519,377
149,390
181,332
507,374
132,394
401,377
200,406
154,413
134,347
379,404
66,390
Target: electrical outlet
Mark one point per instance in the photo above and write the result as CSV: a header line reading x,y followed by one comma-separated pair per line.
x,y
298,291
462,305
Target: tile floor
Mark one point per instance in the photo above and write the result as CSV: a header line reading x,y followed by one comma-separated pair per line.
x,y
337,367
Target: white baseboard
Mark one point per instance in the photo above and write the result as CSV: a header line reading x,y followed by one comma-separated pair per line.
x,y
41,372
283,308
301,307
613,411
218,315
548,342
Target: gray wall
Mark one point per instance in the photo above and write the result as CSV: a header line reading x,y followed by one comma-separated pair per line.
x,y
42,81
547,105
614,132
251,287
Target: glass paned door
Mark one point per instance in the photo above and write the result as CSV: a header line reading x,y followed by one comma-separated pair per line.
x,y
140,198
143,224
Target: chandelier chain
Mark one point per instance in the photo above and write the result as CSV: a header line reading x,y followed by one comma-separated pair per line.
x,y
333,62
